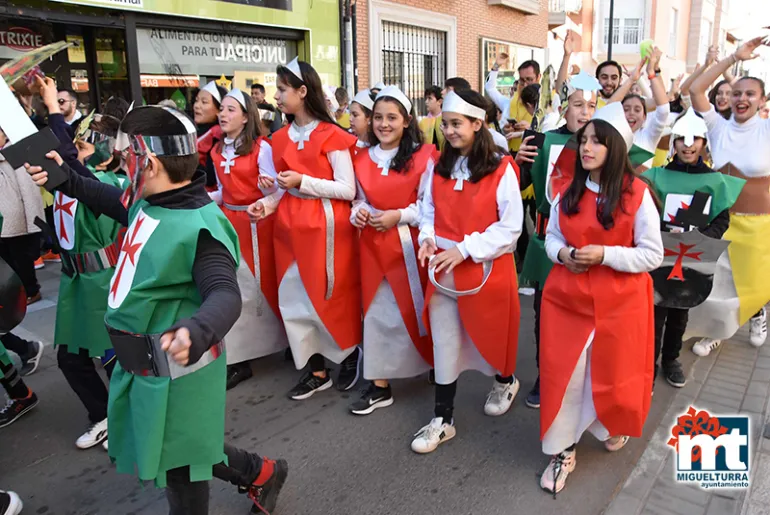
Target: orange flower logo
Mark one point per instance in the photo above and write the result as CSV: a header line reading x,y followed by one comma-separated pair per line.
x,y
695,423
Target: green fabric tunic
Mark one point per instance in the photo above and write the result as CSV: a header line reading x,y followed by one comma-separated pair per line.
x,y
157,424
723,189
537,265
83,298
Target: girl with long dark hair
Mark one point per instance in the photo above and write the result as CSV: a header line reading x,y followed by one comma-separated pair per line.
x,y
739,147
205,115
391,180
361,119
719,97
471,217
319,290
241,158
597,335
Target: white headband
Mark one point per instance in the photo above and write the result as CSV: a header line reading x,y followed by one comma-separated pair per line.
x,y
453,103
394,92
293,67
212,89
237,94
379,85
364,97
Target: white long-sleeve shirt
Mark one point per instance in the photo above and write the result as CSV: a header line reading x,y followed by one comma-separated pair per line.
x,y
646,254
497,239
649,135
342,186
410,215
504,103
746,145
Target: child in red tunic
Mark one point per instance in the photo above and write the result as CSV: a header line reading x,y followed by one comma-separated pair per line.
x,y
361,119
391,179
240,158
597,335
316,252
472,212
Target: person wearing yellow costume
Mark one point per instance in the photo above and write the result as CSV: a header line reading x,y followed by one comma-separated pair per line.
x,y
430,125
514,109
738,148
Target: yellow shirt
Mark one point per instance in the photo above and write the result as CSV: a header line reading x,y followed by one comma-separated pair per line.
x,y
600,102
519,113
344,120
431,127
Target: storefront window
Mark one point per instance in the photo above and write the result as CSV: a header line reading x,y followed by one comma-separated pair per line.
x,y
490,49
175,63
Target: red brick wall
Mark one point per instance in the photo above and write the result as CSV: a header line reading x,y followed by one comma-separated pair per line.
x,y
475,19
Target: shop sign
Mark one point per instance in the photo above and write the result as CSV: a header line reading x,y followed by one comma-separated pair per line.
x,y
21,39
270,4
209,53
169,81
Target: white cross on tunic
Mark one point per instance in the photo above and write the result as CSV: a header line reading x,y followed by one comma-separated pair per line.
x,y
304,135
229,155
385,165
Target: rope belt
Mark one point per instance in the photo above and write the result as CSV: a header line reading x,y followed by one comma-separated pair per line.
x,y
446,244
255,254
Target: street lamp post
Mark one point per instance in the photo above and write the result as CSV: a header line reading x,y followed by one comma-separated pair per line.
x,y
610,35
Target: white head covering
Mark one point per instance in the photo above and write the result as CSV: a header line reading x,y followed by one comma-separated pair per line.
x,y
380,85
330,91
293,67
364,97
394,92
584,82
689,127
453,103
211,88
615,116
237,94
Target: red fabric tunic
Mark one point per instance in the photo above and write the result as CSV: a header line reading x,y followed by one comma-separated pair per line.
x,y
491,316
381,252
206,143
300,233
618,306
239,188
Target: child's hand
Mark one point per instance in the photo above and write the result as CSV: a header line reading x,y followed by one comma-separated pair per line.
x,y
177,345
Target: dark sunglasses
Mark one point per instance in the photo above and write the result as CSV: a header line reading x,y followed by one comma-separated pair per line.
x,y
63,101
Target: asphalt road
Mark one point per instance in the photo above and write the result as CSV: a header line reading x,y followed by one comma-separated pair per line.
x,y
339,464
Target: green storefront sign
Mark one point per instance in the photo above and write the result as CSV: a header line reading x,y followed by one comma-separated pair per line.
x,y
318,19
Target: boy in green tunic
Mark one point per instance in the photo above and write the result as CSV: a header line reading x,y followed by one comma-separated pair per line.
x,y
172,299
676,185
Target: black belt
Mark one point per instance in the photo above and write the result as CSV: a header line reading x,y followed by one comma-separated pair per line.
x,y
74,264
142,355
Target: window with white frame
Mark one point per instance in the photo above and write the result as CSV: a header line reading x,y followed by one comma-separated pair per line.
x,y
673,31
615,30
632,31
706,28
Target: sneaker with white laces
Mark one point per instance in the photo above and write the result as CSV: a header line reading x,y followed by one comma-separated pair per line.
x,y
10,503
704,346
555,475
501,397
105,445
29,366
96,434
758,329
432,435
616,443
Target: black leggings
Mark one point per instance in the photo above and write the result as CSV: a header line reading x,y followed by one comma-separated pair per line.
x,y
80,372
186,497
12,382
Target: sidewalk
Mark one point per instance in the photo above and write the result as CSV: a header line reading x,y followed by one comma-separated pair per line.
x,y
735,378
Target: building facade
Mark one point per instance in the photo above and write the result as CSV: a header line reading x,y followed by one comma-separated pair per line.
x,y
419,43
148,50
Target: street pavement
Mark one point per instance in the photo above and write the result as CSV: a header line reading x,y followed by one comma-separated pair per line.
x,y
339,464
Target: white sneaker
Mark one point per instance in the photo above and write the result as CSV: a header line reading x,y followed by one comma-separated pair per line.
x,y
704,346
105,446
13,501
758,329
501,397
96,434
616,443
432,435
555,475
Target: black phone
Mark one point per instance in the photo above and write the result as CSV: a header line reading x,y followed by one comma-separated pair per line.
x,y
32,150
537,141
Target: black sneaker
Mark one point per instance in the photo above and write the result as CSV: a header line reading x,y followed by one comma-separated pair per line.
x,y
15,408
372,398
287,354
672,370
10,504
238,373
533,398
265,496
310,384
31,364
350,371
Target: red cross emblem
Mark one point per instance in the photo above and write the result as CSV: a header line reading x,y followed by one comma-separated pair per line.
x,y
677,274
65,225
133,242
